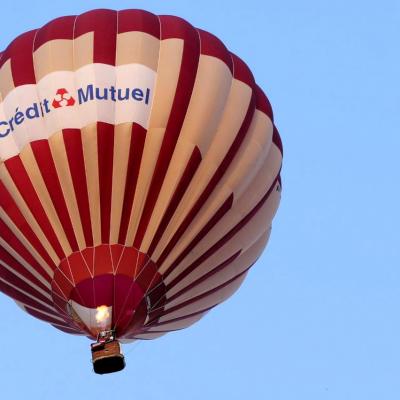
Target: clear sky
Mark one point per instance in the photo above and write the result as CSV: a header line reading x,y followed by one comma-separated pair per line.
x,y
318,316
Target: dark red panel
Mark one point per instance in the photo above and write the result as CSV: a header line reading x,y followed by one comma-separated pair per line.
x,y
20,53
88,256
60,28
116,254
138,20
262,103
105,150
135,157
74,149
212,46
78,267
103,262
128,295
127,263
276,139
242,72
104,25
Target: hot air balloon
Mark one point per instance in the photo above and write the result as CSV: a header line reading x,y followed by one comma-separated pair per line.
x,y
140,173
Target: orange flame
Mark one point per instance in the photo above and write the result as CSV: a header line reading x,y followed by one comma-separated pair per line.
x,y
102,314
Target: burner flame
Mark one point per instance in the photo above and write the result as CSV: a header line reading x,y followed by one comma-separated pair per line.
x,y
102,314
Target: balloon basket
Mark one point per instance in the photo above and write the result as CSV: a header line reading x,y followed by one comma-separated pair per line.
x,y
107,357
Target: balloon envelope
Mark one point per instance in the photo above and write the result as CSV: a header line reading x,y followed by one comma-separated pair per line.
x,y
139,167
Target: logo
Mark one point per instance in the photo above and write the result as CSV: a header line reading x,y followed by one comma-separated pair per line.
x,y
63,99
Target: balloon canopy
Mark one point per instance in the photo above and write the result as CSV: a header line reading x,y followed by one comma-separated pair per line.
x,y
140,172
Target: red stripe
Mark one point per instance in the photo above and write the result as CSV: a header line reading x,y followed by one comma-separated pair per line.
x,y
226,206
14,280
22,298
11,209
263,103
70,331
104,25
276,139
171,321
212,46
105,149
212,184
43,317
60,28
19,248
226,238
47,168
20,53
24,185
76,161
138,20
197,298
242,72
190,59
186,178
10,261
138,137
192,267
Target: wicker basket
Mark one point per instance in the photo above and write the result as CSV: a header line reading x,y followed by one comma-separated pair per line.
x,y
107,357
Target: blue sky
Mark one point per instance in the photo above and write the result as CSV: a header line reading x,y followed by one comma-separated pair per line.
x,y
318,316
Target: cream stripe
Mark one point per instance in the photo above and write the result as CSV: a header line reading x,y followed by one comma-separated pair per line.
x,y
241,207
60,158
55,55
83,50
206,106
137,47
122,143
167,78
6,80
232,119
89,140
237,178
207,103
